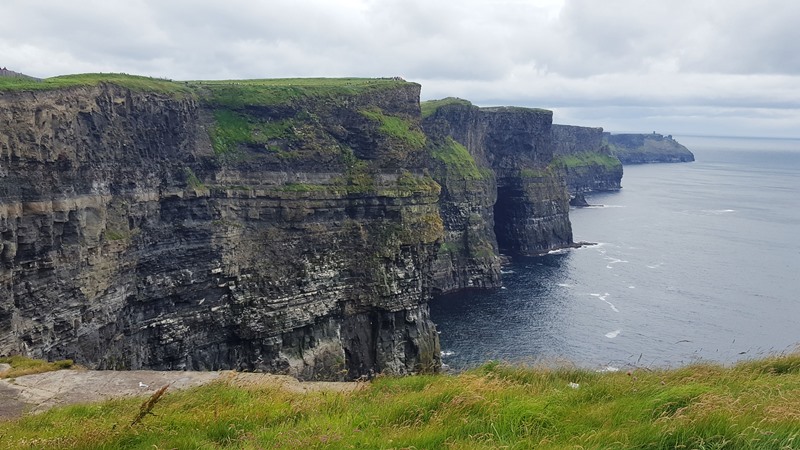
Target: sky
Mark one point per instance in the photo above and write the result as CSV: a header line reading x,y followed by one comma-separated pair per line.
x,y
709,67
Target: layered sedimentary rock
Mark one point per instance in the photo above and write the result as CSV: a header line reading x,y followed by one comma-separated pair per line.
x,y
647,148
507,152
292,226
586,159
260,228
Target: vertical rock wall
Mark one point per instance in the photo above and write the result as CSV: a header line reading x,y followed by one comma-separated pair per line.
x,y
586,159
512,149
126,242
293,228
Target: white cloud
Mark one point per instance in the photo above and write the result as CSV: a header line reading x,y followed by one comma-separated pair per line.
x,y
682,61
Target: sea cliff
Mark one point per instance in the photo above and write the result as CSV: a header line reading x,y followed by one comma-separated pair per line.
x,y
252,226
586,159
647,148
289,226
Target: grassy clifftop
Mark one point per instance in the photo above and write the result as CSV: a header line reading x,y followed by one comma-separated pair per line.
x,y
270,92
753,405
226,92
134,82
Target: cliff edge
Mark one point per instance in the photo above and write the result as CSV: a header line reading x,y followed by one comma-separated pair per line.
x,y
647,148
586,159
294,226
281,226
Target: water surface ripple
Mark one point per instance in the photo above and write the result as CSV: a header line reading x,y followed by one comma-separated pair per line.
x,y
697,261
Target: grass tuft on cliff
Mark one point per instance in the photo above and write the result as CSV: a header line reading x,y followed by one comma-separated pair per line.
x,y
458,163
238,94
397,127
753,405
587,159
429,107
134,82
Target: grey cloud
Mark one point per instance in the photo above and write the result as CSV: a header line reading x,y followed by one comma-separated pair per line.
x,y
615,56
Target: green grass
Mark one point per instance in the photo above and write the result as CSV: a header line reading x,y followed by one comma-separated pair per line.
x,y
429,107
134,82
191,179
754,405
22,365
458,163
237,94
233,129
587,159
397,127
224,93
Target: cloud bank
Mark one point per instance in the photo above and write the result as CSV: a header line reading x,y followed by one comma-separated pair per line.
x,y
725,67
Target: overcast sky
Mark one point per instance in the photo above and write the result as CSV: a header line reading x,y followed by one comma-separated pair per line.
x,y
719,67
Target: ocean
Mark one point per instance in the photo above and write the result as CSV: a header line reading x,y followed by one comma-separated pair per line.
x,y
694,262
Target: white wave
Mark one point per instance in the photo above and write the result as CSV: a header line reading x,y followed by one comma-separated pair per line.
x,y
559,251
503,288
603,298
506,272
447,353
564,285
655,266
613,334
609,369
631,287
615,260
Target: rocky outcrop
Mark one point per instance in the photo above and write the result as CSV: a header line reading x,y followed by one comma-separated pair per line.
x,y
586,159
507,151
285,229
647,148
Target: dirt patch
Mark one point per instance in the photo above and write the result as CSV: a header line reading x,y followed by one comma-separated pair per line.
x,y
40,392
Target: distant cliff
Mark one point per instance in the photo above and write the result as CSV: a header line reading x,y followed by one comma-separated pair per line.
x,y
586,159
647,148
500,189
293,226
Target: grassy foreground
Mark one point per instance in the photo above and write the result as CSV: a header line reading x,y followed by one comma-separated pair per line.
x,y
754,405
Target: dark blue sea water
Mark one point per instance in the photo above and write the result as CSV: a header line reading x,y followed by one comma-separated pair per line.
x,y
696,262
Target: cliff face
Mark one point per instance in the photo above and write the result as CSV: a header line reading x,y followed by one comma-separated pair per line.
x,y
647,148
288,231
291,226
507,152
586,159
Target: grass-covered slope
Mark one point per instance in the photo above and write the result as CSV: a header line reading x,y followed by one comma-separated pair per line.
x,y
277,91
754,405
430,106
575,161
21,365
135,82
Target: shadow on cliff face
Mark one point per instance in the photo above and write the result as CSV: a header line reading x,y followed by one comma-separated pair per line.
x,y
505,217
